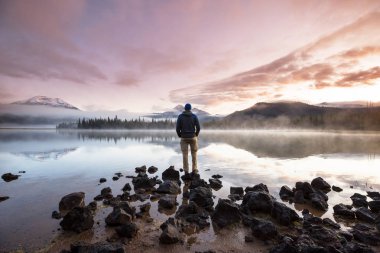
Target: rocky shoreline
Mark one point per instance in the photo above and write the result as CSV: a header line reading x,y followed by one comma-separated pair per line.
x,y
267,224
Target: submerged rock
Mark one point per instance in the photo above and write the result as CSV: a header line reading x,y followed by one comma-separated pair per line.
x,y
169,187
68,202
226,213
7,177
194,214
2,198
102,180
217,176
215,183
98,247
336,188
202,196
167,201
78,219
152,169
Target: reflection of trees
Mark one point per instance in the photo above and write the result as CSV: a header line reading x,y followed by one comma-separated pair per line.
x,y
47,155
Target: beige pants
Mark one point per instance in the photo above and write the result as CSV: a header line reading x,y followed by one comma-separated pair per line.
x,y
193,142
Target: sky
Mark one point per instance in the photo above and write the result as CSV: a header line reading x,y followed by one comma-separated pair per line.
x,y
219,55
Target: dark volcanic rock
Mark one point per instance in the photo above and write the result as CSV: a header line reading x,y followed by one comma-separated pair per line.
x,y
323,234
140,169
126,207
217,176
145,207
7,177
286,192
359,200
354,247
78,219
306,188
92,206
284,248
106,191
374,206
115,178
190,176
259,187
128,230
169,187
258,201
192,213
365,214
346,235
264,230
197,182
171,174
118,217
366,237
320,184
331,223
236,190
299,198
170,233
336,188
99,247
56,215
102,180
202,196
143,182
318,202
283,214
167,201
344,211
152,169
127,187
226,213
374,195
68,202
2,198
215,183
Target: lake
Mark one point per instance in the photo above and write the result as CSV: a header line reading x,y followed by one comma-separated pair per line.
x,y
60,162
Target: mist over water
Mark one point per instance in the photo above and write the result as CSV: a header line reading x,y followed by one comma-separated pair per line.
x,y
61,162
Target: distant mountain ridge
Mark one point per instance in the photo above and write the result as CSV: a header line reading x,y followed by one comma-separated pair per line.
x,y
177,110
46,101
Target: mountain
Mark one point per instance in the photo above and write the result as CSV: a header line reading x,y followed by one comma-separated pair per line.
x,y
173,113
300,115
46,101
350,104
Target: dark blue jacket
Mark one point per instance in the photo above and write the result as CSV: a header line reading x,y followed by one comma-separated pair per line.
x,y
187,125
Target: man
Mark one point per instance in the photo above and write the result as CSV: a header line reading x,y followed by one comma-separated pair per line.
x,y
188,130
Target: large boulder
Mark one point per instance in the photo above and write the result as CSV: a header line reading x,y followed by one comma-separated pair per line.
x,y
215,183
283,214
367,237
226,213
364,214
299,198
78,219
118,217
128,230
344,211
374,206
236,190
170,233
286,192
194,214
68,202
359,200
202,196
98,247
169,187
259,201
318,201
7,177
320,184
306,188
257,188
264,230
167,201
374,195
171,174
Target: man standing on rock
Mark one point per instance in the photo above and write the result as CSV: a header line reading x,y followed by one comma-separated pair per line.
x,y
188,130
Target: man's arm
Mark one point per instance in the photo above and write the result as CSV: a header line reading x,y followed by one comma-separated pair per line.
x,y
197,126
178,127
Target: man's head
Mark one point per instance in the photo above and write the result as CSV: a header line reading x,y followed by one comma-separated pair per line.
x,y
187,107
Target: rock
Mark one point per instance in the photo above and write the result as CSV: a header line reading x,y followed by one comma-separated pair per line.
x,y
140,169
152,169
346,235
68,202
98,197
284,248
92,206
56,215
143,182
126,207
98,247
102,180
323,234
359,200
106,191
256,188
193,214
22,171
171,174
202,196
145,207
354,247
142,174
127,187
318,202
336,188
366,237
78,219
170,233
195,183
235,197
128,230
258,201
283,214
374,195
299,197
7,177
248,238
215,183
343,211
306,188
364,214
264,230
119,174
167,201
329,222
286,192
217,176
169,187
362,227
118,217
309,219
226,213
2,198
320,184
115,178
190,176
374,206
236,190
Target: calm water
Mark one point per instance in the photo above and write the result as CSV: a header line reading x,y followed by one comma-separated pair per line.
x,y
61,162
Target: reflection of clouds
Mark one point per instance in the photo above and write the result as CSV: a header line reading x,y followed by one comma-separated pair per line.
x,y
47,155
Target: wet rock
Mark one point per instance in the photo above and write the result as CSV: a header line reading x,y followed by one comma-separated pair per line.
x,y
306,188
336,188
99,247
319,202
145,207
68,202
7,177
367,237
248,238
155,197
258,201
115,178
56,215
190,176
78,219
202,196
374,206
142,174
283,214
118,217
322,234
102,180
329,222
171,174
126,207
264,230
237,191
374,195
194,214
286,192
98,197
170,233
344,211
92,206
346,235
143,182
299,197
159,181
152,169
235,197
259,187
22,171
2,198
284,248
167,201
140,169
195,183
354,247
217,176
215,183
359,200
226,213
364,214
309,220
106,191
128,230
362,227
320,184
169,187
118,174
126,187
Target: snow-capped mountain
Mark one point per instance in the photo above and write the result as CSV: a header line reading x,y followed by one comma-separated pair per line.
x,y
43,100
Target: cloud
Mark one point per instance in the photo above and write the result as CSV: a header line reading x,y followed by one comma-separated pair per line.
x,y
127,79
360,52
359,78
